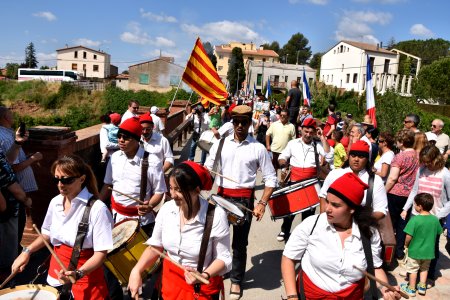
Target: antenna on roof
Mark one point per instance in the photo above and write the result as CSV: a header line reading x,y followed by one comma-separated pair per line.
x,y
160,53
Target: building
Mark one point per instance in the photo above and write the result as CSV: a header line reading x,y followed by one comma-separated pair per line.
x,y
280,75
344,66
89,63
250,53
121,81
160,74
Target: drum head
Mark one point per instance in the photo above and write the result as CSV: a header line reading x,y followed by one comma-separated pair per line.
x,y
227,205
28,292
123,231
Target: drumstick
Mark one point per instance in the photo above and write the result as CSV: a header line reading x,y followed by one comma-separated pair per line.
x,y
195,274
383,283
129,196
9,278
243,207
63,267
227,178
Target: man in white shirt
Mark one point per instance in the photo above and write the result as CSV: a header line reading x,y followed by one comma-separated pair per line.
x,y
359,133
156,144
201,124
158,124
442,140
240,158
132,111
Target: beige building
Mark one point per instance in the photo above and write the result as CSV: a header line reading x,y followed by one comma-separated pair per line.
x,y
87,62
250,53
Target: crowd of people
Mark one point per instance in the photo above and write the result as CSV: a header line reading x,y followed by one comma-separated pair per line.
x,y
363,177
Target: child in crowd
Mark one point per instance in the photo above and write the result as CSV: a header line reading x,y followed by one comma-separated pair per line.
x,y
340,156
421,232
108,134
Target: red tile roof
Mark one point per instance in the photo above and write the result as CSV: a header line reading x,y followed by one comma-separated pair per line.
x,y
368,47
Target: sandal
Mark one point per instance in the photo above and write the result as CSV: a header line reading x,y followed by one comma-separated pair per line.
x,y
235,295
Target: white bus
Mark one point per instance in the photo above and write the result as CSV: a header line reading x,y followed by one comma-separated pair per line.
x,y
46,75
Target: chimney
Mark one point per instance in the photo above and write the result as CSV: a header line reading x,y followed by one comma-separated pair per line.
x,y
381,45
378,46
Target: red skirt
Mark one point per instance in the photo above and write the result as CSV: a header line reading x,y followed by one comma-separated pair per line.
x,y
174,286
90,287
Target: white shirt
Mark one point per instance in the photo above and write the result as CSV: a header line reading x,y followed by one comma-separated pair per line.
x,y
301,155
158,124
327,263
62,228
125,176
226,129
105,144
197,126
241,161
159,148
184,246
126,115
379,198
386,158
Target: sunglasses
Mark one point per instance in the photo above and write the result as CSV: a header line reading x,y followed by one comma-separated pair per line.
x,y
407,121
244,122
135,107
65,180
123,137
380,141
434,126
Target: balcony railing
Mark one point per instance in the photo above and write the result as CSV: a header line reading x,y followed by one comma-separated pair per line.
x,y
277,84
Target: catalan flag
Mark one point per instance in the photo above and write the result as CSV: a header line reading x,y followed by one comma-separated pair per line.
x,y
202,77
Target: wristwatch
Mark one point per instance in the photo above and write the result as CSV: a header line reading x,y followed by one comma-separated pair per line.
x,y
26,250
79,274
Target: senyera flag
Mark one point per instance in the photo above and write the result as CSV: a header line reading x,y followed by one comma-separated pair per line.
x,y
202,77
370,98
306,93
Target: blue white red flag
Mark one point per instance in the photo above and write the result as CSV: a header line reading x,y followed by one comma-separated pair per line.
x,y
268,91
370,97
254,89
306,93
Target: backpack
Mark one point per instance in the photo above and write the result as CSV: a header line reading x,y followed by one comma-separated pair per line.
x,y
112,132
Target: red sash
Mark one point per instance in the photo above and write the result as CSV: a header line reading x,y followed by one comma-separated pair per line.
x,y
234,193
313,292
174,286
299,174
91,286
129,211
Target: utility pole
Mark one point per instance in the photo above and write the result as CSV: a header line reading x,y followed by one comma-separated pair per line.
x,y
298,51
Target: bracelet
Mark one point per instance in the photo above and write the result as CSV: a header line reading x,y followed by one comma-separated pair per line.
x,y
292,297
263,203
79,274
207,274
26,250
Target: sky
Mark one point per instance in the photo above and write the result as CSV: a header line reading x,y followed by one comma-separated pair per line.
x,y
134,31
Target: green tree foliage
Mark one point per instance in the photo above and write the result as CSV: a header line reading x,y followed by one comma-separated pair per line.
x,y
210,51
315,62
236,63
12,70
30,56
296,46
275,46
433,82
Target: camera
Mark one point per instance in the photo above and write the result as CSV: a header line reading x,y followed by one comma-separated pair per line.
x,y
22,129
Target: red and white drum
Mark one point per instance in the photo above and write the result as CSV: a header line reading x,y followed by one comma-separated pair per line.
x,y
294,199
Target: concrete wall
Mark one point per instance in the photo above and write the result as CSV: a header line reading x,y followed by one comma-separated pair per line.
x,y
66,57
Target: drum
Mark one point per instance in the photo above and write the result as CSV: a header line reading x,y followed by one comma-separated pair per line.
x,y
235,215
206,140
388,238
129,245
294,199
30,292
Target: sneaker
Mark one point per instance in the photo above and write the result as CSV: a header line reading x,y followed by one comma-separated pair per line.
x,y
430,283
280,236
406,288
421,288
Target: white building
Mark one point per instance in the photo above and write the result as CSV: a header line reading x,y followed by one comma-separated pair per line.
x,y
344,66
87,62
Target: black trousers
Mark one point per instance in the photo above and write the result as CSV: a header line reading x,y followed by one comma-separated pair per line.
x,y
395,206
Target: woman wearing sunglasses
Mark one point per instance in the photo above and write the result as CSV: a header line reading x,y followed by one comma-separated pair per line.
x,y
77,186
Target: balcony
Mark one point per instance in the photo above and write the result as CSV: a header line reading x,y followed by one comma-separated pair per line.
x,y
278,85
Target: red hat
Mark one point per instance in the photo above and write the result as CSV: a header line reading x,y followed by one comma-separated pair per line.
x,y
115,118
309,122
350,188
232,106
146,118
360,147
201,172
131,127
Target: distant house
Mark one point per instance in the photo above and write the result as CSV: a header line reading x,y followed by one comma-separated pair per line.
x,y
160,74
87,62
121,81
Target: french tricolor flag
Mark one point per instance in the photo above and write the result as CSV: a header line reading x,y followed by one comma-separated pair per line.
x,y
306,94
370,98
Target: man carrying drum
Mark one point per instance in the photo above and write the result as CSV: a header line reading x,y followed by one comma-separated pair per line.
x,y
240,158
304,155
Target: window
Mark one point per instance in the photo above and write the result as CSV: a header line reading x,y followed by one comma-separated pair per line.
x,y
386,65
348,78
332,77
258,79
334,51
95,68
74,67
174,80
300,79
355,77
95,56
372,61
220,56
342,68
75,54
84,67
342,48
228,61
84,54
328,77
144,78
286,79
250,58
264,60
219,68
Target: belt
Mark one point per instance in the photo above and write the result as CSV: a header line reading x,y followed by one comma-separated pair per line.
x,y
129,211
299,174
235,193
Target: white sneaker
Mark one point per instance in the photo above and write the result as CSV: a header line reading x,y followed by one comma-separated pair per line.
x,y
280,237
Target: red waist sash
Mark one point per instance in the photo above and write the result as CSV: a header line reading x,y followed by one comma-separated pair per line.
x,y
313,292
174,286
129,211
299,174
91,286
234,193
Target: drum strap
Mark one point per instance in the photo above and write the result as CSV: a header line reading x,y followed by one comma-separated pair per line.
x,y
205,241
144,169
370,268
369,197
79,240
217,158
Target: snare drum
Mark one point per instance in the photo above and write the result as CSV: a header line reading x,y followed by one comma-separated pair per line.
x,y
235,215
294,199
30,291
129,245
206,140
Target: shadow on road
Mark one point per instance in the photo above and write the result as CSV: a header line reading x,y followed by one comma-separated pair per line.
x,y
265,273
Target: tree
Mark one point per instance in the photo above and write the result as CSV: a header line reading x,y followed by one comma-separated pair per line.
x,y
432,82
236,67
275,46
210,51
391,43
315,60
296,47
30,56
44,68
11,70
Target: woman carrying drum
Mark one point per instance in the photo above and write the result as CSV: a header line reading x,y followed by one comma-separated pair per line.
x,y
77,187
330,244
179,228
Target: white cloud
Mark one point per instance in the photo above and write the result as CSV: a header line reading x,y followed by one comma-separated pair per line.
x,y
163,42
46,15
421,30
223,31
317,2
87,43
356,25
136,35
158,18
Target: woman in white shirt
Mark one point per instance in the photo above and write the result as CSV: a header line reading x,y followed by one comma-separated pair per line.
x,y
179,229
77,186
383,163
330,244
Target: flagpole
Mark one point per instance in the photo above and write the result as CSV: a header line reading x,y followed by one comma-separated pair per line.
x,y
176,92
189,100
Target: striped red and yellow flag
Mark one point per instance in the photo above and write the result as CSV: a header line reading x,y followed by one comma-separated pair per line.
x,y
202,77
